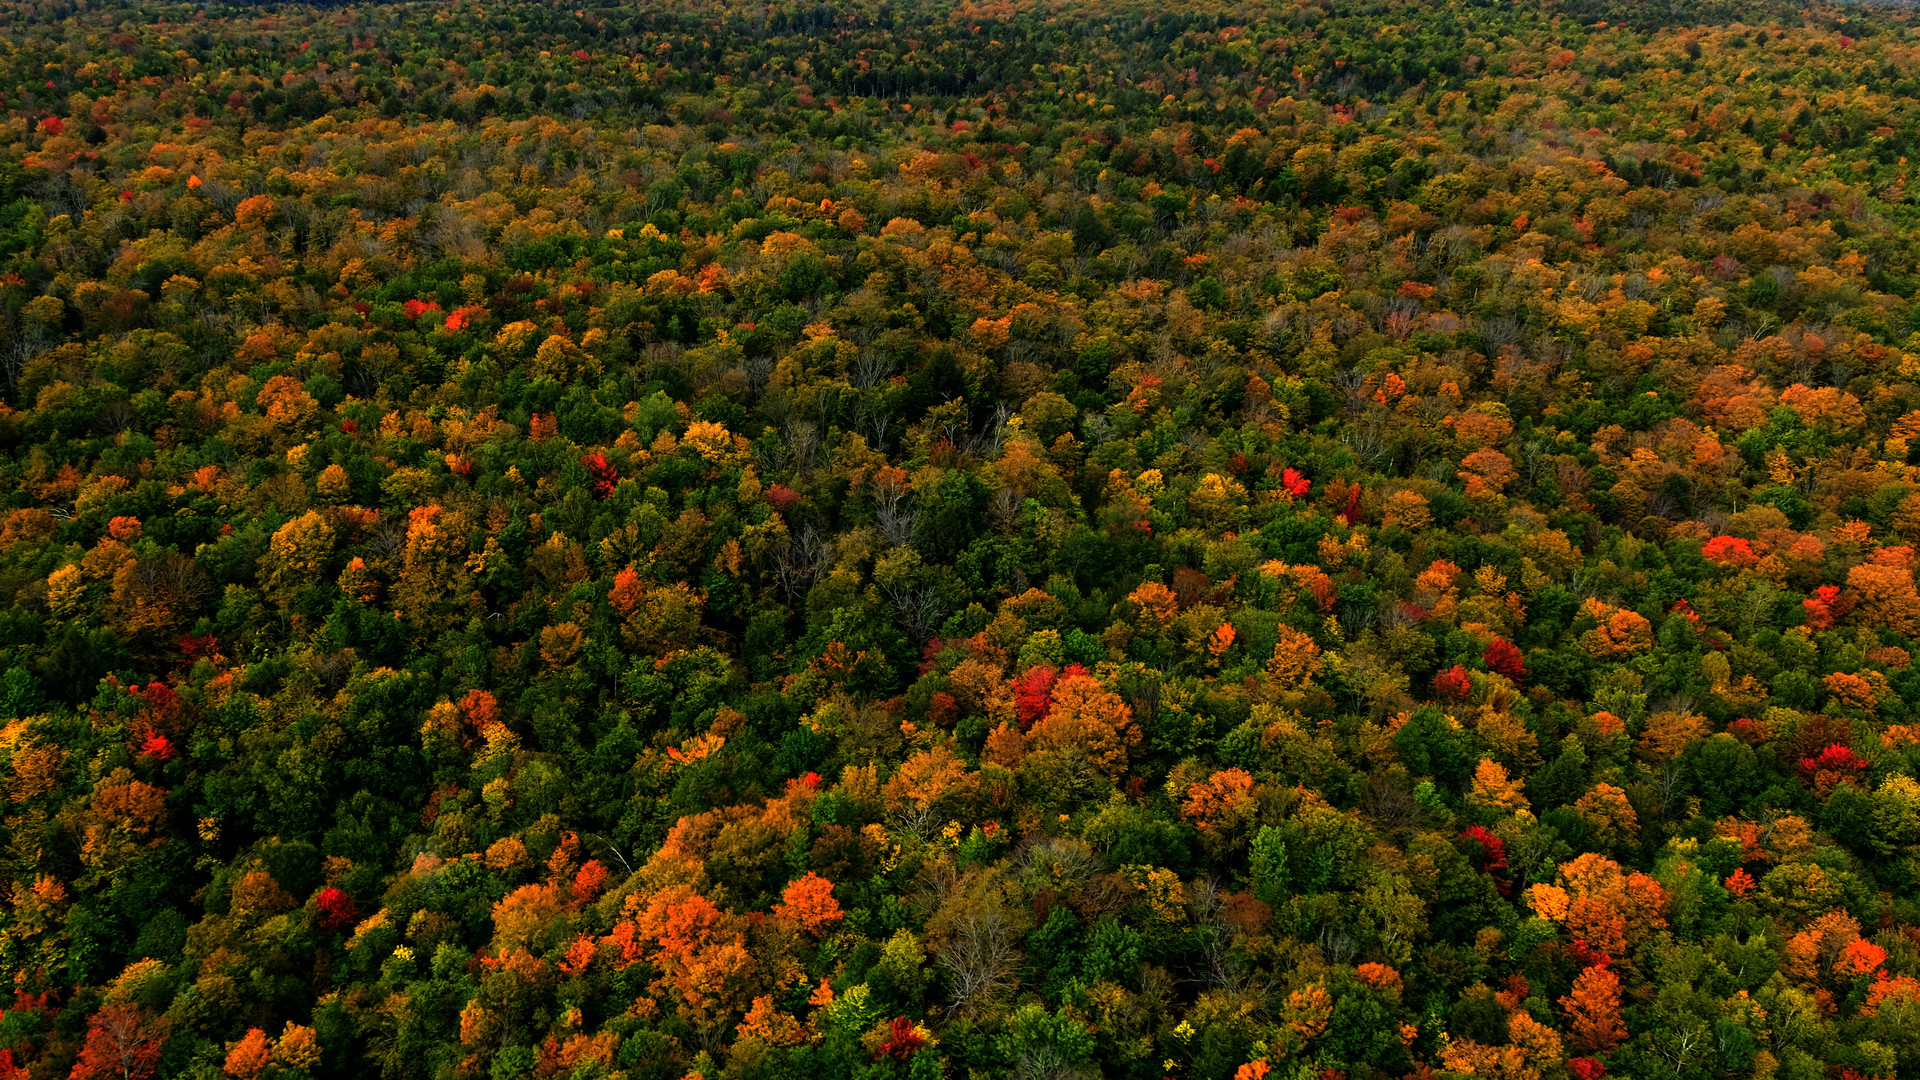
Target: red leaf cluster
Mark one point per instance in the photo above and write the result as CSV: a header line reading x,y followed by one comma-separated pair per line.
x,y
1584,954
903,1041
1834,759
1033,694
605,476
158,748
1504,658
337,911
1823,607
1493,857
1453,683
1730,551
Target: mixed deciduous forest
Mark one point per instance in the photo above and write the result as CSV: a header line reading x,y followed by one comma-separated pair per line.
x,y
1325,541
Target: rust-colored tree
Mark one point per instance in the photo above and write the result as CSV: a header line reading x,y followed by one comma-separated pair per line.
x,y
1882,591
123,1043
1592,1009
1088,719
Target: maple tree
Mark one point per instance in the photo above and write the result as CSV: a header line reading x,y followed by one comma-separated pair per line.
x,y
1592,1008
122,1042
809,904
1087,718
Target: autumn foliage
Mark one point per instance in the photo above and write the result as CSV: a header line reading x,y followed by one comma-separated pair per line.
x,y
897,541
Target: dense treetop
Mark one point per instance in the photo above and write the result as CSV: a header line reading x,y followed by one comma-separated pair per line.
x,y
1039,540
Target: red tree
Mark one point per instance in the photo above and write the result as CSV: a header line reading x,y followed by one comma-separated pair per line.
x,y
605,476
336,909
903,1040
1350,513
1504,658
1730,551
1493,859
121,1042
1033,694
1453,683
1822,607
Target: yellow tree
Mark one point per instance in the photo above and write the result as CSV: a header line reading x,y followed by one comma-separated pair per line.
x,y
1532,1050
1493,789
1620,633
925,783
1668,733
433,570
1295,660
297,556
286,401
1607,810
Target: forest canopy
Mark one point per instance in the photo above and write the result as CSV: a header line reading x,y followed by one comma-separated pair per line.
x,y
1330,540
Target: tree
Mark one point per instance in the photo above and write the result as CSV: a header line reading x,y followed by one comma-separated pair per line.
x,y
122,1043
433,570
1087,719
1486,472
978,937
700,952
297,557
249,1056
1221,804
527,917
1607,811
1503,658
767,1023
1531,1049
1621,633
808,904
1882,591
1453,683
1296,657
1592,1009
1830,954
153,597
1599,902
1668,734
286,401
1494,790
656,618
1730,551
1033,694
1433,745
929,781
